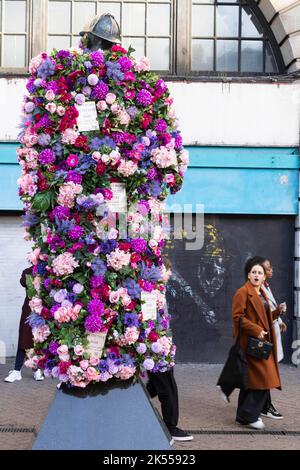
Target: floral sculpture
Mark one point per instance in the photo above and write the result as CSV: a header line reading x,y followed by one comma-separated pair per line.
x,y
95,124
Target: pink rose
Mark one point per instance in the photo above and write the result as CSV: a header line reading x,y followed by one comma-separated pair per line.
x,y
79,350
50,95
114,297
51,108
102,105
84,364
60,110
110,98
92,374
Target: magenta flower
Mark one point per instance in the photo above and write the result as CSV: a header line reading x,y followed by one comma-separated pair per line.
x,y
144,97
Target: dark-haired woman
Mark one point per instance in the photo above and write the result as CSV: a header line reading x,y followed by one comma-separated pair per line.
x,y
251,305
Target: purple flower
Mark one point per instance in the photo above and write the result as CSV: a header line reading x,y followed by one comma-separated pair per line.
x,y
160,86
144,97
80,98
141,348
53,86
95,307
47,156
45,121
132,111
29,107
161,125
125,63
62,54
151,174
61,212
96,281
132,287
99,267
74,176
47,284
148,364
131,319
103,366
44,140
100,91
35,321
148,286
156,348
53,346
92,79
77,288
139,245
97,58
30,85
75,232
47,68
93,323
178,141
60,295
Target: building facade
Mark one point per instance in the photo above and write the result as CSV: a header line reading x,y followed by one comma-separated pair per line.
x,y
233,68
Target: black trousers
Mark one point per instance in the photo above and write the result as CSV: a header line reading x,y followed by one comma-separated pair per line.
x,y
250,404
20,357
166,388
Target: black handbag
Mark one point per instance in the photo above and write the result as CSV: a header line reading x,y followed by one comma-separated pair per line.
x,y
235,371
258,348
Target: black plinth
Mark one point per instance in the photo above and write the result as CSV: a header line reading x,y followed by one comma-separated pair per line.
x,y
105,416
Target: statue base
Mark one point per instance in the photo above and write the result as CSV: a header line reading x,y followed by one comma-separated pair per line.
x,y
117,415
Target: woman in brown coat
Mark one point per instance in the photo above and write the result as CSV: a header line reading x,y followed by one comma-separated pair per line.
x,y
25,338
250,304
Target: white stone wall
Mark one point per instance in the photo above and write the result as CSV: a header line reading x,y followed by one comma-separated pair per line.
x,y
246,114
13,251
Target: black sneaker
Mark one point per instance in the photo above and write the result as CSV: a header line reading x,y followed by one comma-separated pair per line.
x,y
272,413
180,435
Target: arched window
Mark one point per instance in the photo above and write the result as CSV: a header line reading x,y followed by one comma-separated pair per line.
x,y
232,36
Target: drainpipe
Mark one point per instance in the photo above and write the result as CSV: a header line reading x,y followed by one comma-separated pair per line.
x,y
296,318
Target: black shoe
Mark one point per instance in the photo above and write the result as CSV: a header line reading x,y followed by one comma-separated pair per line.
x,y
151,390
180,435
272,413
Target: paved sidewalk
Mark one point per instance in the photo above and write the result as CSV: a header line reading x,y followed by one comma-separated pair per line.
x,y
24,404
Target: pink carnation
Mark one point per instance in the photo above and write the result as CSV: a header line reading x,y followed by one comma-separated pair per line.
x,y
118,259
64,264
67,194
41,333
69,136
142,64
125,372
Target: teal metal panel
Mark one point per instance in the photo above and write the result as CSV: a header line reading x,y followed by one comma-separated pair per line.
x,y
235,180
230,180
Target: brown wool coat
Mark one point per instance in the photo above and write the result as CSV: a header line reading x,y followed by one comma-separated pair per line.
x,y
25,332
262,374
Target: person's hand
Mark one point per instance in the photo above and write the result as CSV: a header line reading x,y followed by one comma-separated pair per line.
x,y
262,334
282,308
283,327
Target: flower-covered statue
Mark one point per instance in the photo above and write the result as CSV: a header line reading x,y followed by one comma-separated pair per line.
x,y
100,151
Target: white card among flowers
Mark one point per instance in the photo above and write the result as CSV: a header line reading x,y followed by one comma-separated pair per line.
x,y
87,119
96,344
149,308
118,203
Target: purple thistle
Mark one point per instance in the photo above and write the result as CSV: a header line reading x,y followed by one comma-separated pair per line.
x,y
97,58
93,323
100,91
47,156
144,97
139,245
95,307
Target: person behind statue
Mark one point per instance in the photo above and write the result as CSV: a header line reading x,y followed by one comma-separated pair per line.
x,y
163,385
25,340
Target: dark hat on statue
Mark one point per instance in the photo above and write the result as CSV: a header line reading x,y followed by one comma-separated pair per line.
x,y
105,27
